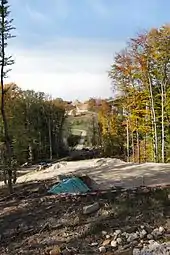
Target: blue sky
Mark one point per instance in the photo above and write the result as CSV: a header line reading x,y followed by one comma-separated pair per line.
x,y
66,47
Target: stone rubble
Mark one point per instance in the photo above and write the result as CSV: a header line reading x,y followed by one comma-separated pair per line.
x,y
144,241
154,248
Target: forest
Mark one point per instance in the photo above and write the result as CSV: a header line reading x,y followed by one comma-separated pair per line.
x,y
134,125
138,122
35,126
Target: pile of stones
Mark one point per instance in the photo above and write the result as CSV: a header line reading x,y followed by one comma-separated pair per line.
x,y
144,241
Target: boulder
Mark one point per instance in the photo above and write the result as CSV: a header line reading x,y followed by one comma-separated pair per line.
x,y
91,208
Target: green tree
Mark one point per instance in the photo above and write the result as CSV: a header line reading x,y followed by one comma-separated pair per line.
x,y
5,61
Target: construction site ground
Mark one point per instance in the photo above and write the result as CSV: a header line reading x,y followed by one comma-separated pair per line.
x,y
32,222
107,172
35,222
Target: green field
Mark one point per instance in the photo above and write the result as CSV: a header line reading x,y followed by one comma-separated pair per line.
x,y
74,126
83,122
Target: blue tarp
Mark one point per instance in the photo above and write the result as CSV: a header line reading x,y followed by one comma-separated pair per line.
x,y
70,186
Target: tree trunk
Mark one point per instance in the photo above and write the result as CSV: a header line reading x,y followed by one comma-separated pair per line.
x,y
5,61
4,119
93,132
50,139
14,176
4,176
133,147
162,122
138,142
127,137
146,135
145,147
153,120
138,146
30,152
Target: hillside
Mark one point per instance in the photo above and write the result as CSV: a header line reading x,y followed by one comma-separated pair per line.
x,y
77,124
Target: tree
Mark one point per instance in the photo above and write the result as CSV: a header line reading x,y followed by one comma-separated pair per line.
x,y
141,73
5,61
29,114
112,130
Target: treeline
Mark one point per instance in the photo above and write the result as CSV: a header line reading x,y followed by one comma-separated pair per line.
x,y
137,124
107,127
35,126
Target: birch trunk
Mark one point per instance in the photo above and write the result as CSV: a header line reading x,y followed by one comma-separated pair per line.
x,y
138,146
133,148
30,152
50,139
127,136
145,147
155,141
162,122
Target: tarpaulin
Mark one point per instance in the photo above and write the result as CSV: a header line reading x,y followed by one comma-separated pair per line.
x,y
70,186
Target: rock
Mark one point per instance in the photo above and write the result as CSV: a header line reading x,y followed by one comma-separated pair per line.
x,y
156,233
149,236
94,244
161,230
114,244
127,235
107,236
134,243
119,240
106,242
66,252
124,234
140,245
127,246
155,248
127,251
151,241
91,208
104,233
102,249
143,233
132,237
55,251
136,251
117,232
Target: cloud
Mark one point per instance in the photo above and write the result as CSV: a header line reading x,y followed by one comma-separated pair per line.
x,y
67,68
100,7
35,15
126,12
43,12
61,8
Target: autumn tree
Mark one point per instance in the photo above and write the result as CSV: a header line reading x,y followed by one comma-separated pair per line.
x,y
112,130
141,73
5,61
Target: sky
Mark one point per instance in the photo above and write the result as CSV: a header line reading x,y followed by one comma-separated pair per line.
x,y
66,47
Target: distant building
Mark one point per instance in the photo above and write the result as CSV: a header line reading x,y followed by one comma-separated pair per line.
x,y
78,108
82,108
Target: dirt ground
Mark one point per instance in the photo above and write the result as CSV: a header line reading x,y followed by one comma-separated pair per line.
x,y
107,172
34,222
